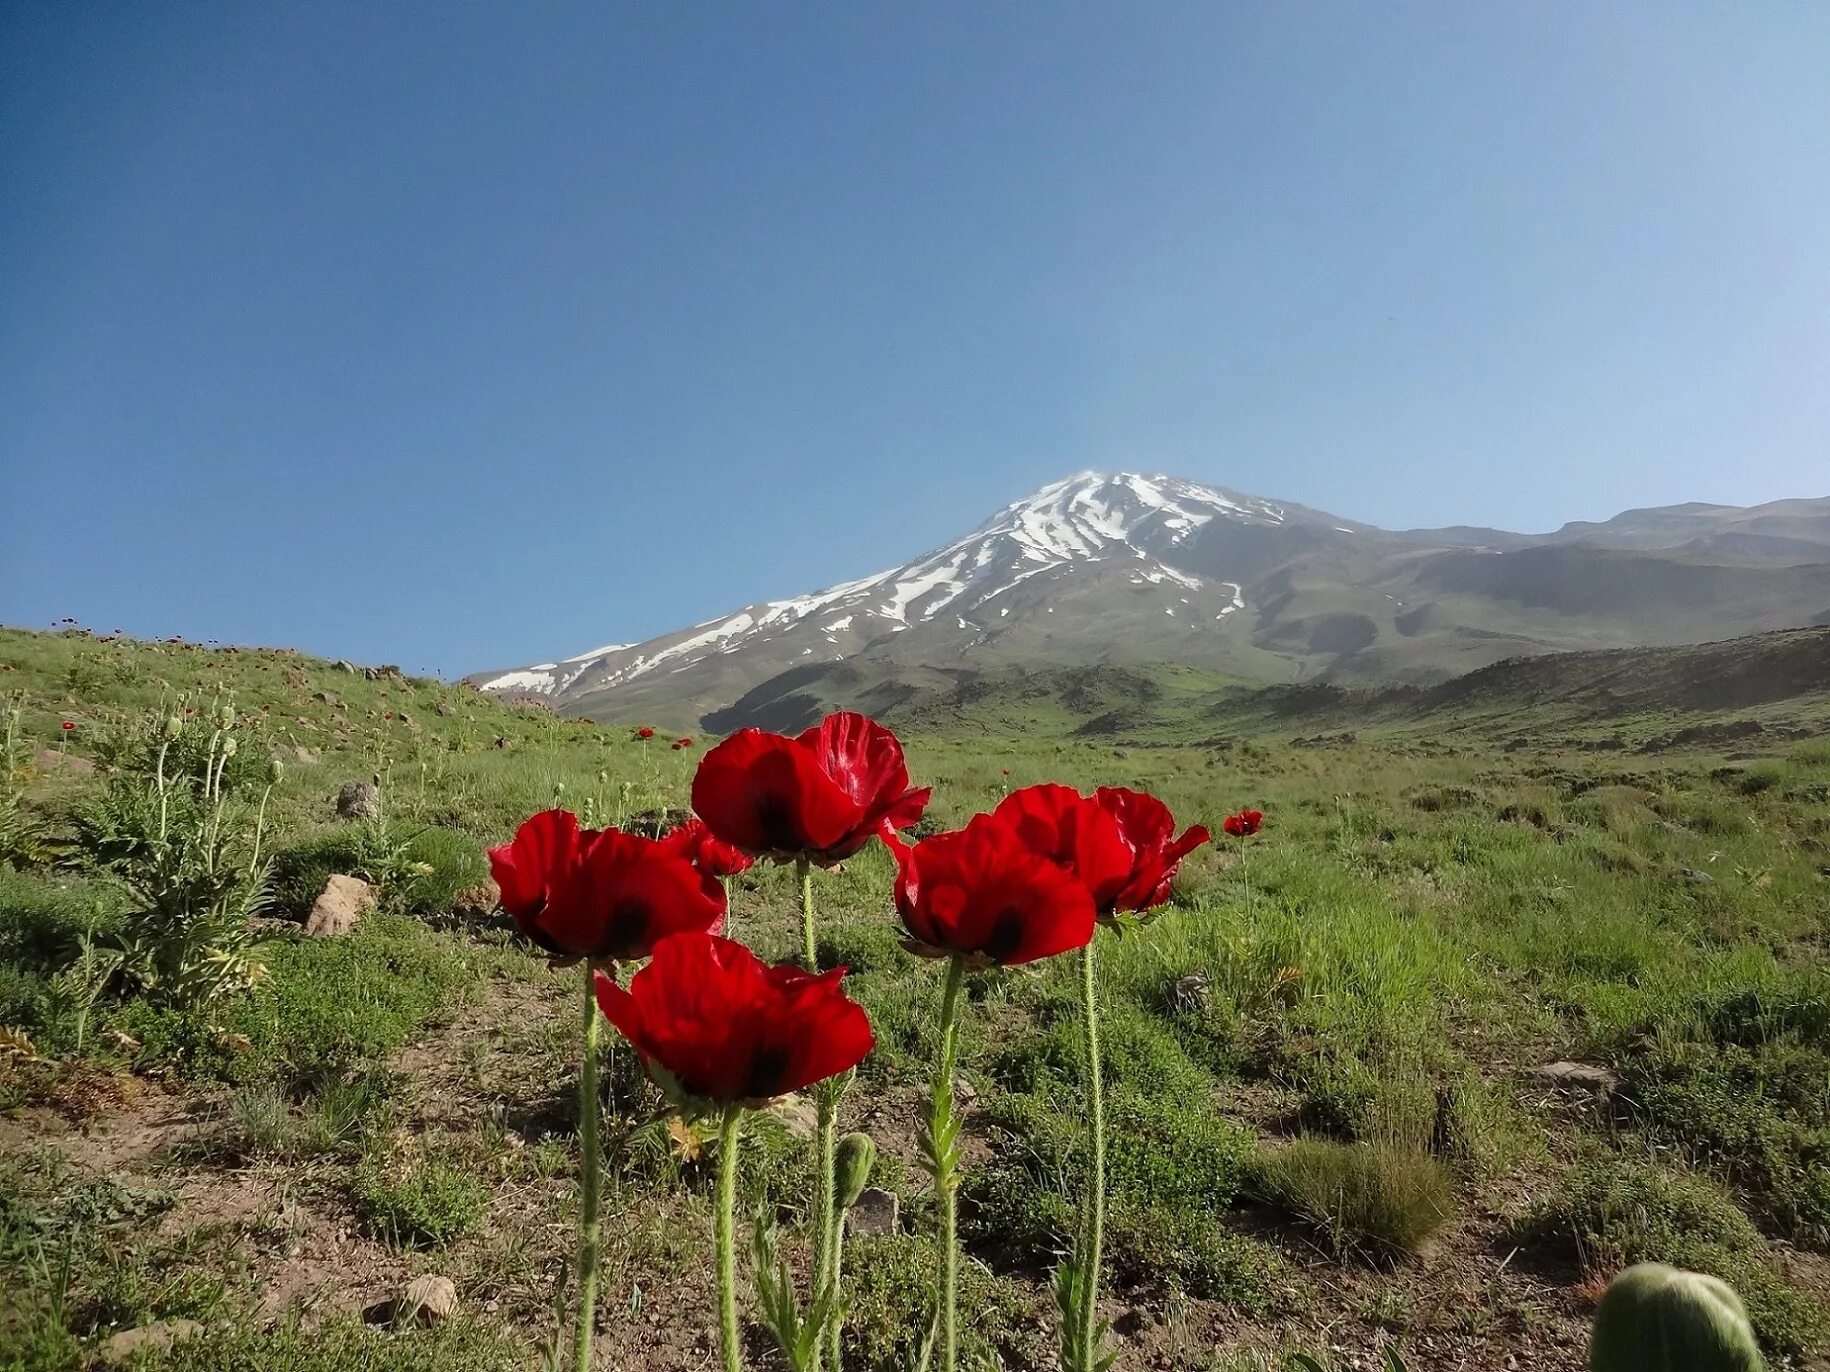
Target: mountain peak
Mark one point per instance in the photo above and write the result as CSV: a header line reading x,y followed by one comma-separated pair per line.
x,y
1112,566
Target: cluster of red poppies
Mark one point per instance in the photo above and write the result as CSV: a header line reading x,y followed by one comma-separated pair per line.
x,y
719,1029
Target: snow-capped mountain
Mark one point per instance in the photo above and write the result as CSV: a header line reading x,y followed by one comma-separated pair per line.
x,y
1126,527
1122,566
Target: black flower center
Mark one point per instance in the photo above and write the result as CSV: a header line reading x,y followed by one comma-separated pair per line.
x,y
763,1081
1006,934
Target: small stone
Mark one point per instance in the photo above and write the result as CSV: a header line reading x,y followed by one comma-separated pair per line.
x,y
343,901
427,1300
1694,877
875,1212
120,1348
301,753
1577,1076
444,708
359,800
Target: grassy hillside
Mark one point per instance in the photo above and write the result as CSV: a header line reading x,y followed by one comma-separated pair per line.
x,y
1334,1128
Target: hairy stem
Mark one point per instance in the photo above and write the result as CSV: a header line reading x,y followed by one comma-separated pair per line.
x,y
591,1187
944,1158
729,1134
1094,1216
827,1097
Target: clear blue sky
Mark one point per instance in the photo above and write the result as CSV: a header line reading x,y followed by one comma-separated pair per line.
x,y
459,334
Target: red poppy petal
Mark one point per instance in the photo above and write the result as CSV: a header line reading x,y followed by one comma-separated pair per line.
x,y
524,867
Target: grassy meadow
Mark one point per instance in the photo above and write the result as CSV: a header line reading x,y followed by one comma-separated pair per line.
x,y
1332,1131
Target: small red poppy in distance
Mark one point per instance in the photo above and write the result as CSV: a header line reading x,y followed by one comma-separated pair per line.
x,y
822,795
644,732
686,743
713,1022
707,852
600,894
1244,823
68,725
983,894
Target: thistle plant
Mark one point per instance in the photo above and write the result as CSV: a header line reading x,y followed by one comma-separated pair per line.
x,y
169,826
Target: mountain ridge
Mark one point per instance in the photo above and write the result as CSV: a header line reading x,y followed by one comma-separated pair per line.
x,y
1117,567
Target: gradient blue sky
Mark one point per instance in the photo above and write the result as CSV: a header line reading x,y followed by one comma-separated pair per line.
x,y
463,335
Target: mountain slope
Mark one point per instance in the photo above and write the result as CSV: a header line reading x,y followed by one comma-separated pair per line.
x,y
1122,568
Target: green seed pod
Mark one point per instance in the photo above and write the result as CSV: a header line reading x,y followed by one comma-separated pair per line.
x,y
275,770
228,716
1656,1318
174,726
228,747
857,1155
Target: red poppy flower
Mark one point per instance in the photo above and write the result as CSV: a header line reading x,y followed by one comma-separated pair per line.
x,y
710,1020
644,732
600,894
706,851
1121,844
1244,823
68,725
1072,831
821,795
1156,853
684,743
982,893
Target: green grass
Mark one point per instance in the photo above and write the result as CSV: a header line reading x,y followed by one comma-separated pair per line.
x,y
1339,1017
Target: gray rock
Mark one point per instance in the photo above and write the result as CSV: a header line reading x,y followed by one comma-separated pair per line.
x,y
343,901
875,1212
359,800
1577,1076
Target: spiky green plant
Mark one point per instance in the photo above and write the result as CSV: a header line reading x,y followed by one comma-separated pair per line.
x,y
169,827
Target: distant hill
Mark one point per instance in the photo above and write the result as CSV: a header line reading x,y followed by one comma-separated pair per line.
x,y
1116,569
1774,685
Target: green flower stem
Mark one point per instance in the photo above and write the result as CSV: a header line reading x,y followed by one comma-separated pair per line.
x,y
827,1095
943,1130
591,1182
809,953
1094,1217
729,1134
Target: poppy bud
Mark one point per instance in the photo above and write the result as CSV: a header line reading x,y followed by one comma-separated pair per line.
x,y
228,747
174,726
856,1157
1656,1318
275,770
228,716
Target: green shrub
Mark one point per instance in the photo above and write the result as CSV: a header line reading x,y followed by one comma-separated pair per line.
x,y
423,1205
891,1303
325,1005
1362,1197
